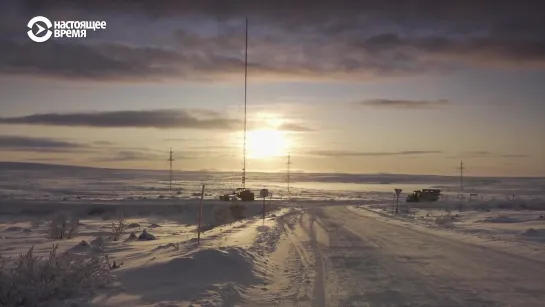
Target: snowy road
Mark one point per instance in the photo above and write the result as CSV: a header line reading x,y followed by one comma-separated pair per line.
x,y
341,257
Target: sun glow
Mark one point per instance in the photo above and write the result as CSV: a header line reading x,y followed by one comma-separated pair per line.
x,y
267,143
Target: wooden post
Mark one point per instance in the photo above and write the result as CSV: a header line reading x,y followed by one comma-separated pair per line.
x,y
200,218
263,210
264,193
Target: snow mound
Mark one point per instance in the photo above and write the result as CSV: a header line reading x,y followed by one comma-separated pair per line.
x,y
218,261
99,243
531,232
444,220
195,275
146,236
81,247
500,219
132,237
14,229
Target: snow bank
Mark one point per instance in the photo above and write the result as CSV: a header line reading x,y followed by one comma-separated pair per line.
x,y
500,219
223,271
535,235
16,229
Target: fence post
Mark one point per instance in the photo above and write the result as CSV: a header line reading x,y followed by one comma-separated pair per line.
x,y
200,218
263,210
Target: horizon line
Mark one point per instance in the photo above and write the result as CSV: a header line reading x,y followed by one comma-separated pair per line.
x,y
259,171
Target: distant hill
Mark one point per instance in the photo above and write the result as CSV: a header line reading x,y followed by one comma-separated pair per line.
x,y
42,166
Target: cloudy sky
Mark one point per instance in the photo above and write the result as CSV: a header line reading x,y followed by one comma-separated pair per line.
x,y
345,86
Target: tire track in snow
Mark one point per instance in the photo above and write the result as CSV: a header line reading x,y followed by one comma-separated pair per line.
x,y
423,269
291,281
319,299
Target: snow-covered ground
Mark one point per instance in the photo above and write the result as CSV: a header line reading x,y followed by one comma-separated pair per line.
x,y
321,249
167,265
515,221
302,254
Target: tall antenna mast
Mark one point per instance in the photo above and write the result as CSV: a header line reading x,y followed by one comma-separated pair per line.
x,y
461,176
289,164
170,159
245,96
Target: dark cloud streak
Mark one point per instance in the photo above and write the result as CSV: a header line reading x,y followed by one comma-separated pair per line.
x,y
400,103
23,143
294,128
128,156
340,153
478,154
161,119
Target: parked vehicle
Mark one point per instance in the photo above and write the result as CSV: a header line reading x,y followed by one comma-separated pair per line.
x,y
424,195
241,193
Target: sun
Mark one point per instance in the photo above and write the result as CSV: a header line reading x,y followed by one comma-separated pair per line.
x,y
267,143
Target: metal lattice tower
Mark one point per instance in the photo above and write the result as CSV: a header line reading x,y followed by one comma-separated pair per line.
x,y
170,160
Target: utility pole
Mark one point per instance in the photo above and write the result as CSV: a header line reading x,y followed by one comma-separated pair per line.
x,y
461,176
288,174
170,160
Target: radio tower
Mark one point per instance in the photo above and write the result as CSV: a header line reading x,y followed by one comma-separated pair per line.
x,y
245,112
170,160
461,176
288,172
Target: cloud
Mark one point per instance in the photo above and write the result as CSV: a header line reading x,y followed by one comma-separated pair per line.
x,y
103,143
23,143
129,155
478,153
341,153
294,128
475,154
160,119
335,40
105,61
406,104
49,160
477,50
182,140
298,12
514,156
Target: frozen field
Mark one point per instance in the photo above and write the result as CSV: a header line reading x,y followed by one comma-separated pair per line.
x,y
330,243
51,182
